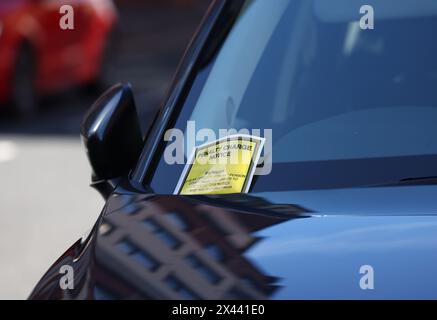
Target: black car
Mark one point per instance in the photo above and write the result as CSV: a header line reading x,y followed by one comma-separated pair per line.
x,y
347,208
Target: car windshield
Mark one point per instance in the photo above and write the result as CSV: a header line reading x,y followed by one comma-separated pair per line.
x,y
347,87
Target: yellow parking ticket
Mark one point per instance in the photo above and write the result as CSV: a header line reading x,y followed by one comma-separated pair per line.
x,y
223,166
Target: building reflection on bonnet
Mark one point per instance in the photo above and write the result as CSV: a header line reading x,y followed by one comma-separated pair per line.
x,y
181,248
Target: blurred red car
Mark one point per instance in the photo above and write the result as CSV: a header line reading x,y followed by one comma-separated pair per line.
x,y
37,57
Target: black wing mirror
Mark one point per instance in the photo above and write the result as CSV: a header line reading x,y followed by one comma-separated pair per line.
x,y
112,135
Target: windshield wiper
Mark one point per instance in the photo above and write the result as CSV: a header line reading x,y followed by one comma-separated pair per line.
x,y
410,181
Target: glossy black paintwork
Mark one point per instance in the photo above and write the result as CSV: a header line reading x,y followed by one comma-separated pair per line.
x,y
305,244
111,133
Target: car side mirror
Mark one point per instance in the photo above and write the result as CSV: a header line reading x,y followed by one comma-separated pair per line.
x,y
112,135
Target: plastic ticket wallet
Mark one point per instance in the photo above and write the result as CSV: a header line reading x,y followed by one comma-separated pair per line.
x,y
226,165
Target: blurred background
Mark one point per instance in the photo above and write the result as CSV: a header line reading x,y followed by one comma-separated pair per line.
x,y
48,79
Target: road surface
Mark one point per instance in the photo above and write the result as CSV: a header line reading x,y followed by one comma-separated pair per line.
x,y
45,206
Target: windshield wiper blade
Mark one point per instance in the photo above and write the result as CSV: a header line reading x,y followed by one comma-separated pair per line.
x,y
411,181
